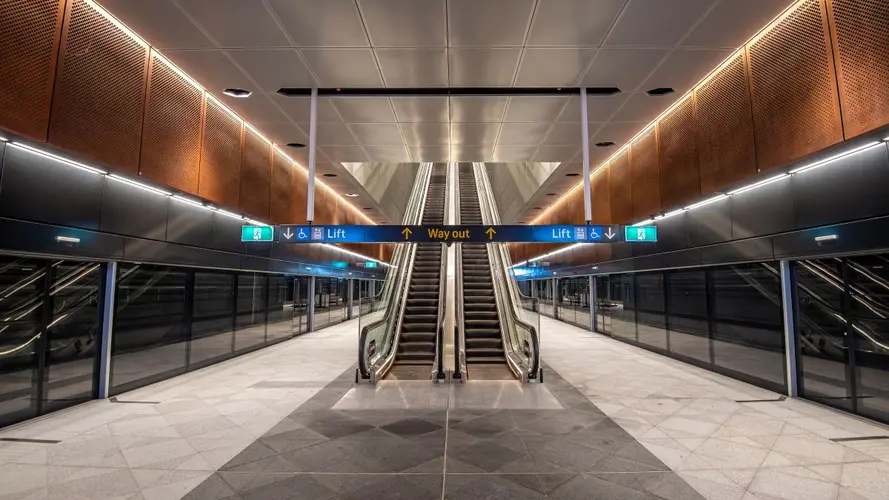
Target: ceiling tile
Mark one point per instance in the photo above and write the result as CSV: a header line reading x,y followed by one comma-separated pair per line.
x,y
299,109
365,109
732,22
599,108
388,154
644,108
330,23
575,23
553,67
534,109
656,23
625,68
282,133
159,22
418,134
482,67
618,133
684,68
256,108
345,153
430,153
564,134
344,67
522,134
421,109
514,153
463,152
211,68
555,153
414,67
236,23
332,134
477,109
272,69
488,22
474,133
378,134
405,23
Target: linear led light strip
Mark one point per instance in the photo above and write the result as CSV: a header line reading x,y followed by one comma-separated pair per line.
x,y
107,15
161,192
799,170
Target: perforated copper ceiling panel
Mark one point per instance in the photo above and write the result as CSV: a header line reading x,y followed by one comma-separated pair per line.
x,y
298,207
171,137
727,153
621,189
795,104
256,172
601,207
644,170
678,156
281,188
861,41
29,39
100,90
219,179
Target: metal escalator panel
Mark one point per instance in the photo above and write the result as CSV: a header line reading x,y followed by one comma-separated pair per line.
x,y
419,326
483,338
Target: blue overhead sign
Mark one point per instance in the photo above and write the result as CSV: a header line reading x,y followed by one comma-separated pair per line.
x,y
464,233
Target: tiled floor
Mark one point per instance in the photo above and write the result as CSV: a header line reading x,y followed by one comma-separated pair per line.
x,y
288,423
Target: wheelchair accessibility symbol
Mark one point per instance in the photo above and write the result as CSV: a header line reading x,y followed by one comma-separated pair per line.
x,y
302,234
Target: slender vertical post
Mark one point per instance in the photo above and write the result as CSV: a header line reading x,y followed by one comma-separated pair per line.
x,y
555,298
350,284
109,291
310,306
585,140
593,300
313,138
790,344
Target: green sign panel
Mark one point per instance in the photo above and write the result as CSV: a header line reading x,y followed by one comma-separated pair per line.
x,y
640,233
370,263
257,233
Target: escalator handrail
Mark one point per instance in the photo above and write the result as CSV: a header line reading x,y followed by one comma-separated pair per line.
x,y
442,291
503,262
460,330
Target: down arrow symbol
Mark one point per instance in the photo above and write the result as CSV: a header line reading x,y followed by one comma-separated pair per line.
x,y
610,234
288,234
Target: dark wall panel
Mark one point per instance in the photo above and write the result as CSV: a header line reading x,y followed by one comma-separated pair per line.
x,y
854,189
861,48
644,173
795,103
189,225
100,90
29,43
765,210
621,189
227,234
220,174
41,189
133,211
726,150
756,249
256,171
678,156
710,224
171,139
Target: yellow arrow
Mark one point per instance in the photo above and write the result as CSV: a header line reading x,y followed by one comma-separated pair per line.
x,y
490,232
406,232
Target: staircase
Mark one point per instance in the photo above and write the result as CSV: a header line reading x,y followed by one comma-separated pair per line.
x,y
484,344
419,326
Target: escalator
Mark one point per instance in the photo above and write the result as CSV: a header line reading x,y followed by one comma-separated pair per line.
x,y
420,322
482,335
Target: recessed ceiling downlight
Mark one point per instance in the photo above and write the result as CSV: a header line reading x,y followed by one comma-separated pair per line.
x,y
660,91
572,174
604,144
329,175
296,145
239,93
352,195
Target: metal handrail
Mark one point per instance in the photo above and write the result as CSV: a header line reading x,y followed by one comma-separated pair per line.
x,y
459,320
439,372
397,281
505,288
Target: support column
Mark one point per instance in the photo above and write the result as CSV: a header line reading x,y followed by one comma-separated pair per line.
x,y
313,138
585,141
789,310
593,300
310,306
555,284
109,289
350,283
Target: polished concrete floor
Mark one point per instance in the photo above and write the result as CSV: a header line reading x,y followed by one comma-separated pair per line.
x,y
610,422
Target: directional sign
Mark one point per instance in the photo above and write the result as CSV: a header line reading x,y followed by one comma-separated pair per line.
x,y
257,233
467,233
